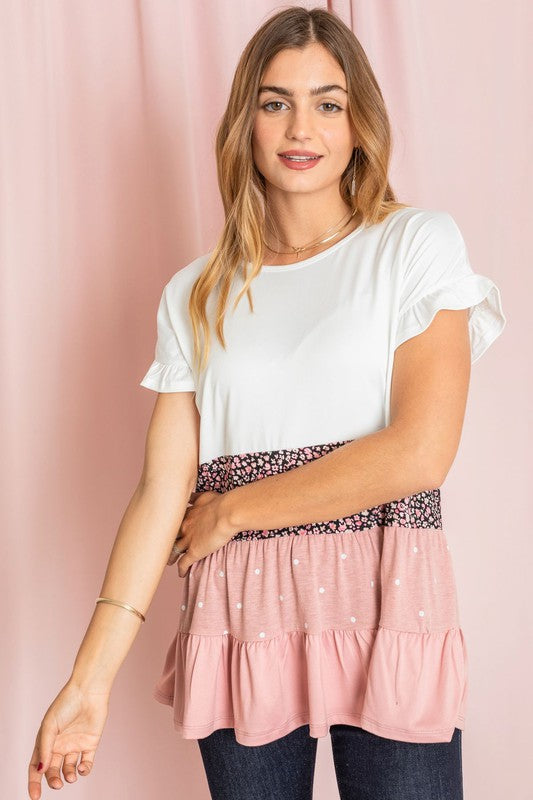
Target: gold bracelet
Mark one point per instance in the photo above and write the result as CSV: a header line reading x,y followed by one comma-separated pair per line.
x,y
124,605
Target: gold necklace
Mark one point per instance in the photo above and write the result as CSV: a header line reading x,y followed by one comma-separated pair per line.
x,y
301,249
331,227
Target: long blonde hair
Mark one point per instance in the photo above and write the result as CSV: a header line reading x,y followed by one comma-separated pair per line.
x,y
242,186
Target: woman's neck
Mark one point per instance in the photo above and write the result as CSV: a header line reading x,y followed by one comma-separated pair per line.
x,y
283,259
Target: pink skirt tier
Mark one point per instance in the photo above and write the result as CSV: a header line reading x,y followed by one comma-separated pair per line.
x,y
343,622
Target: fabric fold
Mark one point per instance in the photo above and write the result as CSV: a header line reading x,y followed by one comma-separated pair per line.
x,y
357,627
168,378
475,292
405,686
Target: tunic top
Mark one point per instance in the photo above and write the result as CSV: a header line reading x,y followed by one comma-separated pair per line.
x,y
350,621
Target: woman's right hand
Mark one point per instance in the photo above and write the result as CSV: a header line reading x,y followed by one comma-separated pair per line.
x,y
72,726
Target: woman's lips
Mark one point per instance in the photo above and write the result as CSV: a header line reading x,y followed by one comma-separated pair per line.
x,y
299,164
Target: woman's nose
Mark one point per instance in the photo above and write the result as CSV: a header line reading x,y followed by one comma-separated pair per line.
x,y
299,124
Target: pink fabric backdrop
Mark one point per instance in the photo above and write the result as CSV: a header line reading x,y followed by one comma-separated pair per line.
x,y
108,186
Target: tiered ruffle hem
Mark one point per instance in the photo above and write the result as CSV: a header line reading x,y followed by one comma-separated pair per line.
x,y
351,621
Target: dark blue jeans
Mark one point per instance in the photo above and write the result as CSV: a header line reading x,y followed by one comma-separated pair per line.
x,y
367,767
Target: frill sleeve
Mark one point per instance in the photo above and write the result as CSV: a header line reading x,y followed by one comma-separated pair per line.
x,y
438,275
170,371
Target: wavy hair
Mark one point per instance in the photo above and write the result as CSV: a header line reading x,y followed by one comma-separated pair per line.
x,y
242,186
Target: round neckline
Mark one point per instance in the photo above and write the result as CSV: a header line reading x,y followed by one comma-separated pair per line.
x,y
299,264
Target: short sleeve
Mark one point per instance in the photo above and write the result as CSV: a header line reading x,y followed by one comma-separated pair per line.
x,y
438,275
170,371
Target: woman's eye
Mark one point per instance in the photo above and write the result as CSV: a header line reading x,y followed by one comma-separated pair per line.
x,y
279,103
273,103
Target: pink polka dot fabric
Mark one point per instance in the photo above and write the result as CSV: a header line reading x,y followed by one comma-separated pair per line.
x,y
350,621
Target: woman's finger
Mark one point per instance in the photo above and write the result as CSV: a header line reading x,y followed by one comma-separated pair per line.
x,y
45,741
34,776
177,548
53,772
87,761
183,566
69,767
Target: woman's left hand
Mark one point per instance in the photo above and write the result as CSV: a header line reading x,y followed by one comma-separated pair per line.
x,y
203,530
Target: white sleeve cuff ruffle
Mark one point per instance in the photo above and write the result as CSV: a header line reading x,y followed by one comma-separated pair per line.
x,y
169,378
477,292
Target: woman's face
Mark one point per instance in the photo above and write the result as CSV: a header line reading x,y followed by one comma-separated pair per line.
x,y
289,118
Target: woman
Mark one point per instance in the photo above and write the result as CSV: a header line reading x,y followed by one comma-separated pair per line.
x,y
298,454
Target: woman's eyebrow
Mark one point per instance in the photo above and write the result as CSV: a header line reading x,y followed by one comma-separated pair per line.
x,y
331,87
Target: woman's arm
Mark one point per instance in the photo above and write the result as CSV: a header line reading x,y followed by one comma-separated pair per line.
x,y
143,541
414,453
